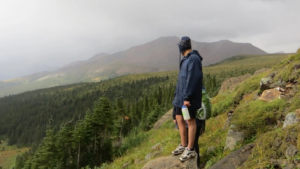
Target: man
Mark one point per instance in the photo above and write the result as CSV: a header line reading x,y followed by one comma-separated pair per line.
x,y
188,93
200,123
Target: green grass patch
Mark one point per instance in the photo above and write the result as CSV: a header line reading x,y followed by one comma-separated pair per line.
x,y
8,154
295,103
226,101
257,116
273,145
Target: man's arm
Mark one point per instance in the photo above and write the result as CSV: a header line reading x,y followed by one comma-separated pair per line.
x,y
193,77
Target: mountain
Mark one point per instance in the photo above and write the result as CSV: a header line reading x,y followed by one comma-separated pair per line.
x,y
158,55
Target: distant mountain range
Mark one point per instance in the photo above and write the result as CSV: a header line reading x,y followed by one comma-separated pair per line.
x,y
158,55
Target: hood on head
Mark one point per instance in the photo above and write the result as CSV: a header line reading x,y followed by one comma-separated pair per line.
x,y
196,53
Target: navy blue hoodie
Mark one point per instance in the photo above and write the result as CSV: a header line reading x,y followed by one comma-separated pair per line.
x,y
189,83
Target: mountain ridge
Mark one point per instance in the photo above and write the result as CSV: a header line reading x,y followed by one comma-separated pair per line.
x,y
158,55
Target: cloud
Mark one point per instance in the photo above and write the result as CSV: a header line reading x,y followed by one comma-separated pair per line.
x,y
42,35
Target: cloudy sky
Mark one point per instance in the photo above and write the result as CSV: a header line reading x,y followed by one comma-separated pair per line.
x,y
40,35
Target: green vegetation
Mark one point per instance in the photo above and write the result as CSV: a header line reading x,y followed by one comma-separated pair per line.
x,y
30,111
144,99
8,154
237,66
259,120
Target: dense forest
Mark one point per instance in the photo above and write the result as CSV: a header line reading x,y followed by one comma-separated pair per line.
x,y
28,113
127,105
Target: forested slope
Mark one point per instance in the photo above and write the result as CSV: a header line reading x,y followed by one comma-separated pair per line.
x,y
133,103
24,116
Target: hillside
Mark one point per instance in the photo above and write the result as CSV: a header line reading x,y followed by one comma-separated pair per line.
x,y
66,102
155,56
262,124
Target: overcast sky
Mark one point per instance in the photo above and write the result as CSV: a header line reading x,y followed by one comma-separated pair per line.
x,y
37,35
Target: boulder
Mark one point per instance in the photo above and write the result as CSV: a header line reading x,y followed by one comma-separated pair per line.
x,y
233,137
265,83
270,95
163,119
290,119
235,159
171,162
232,82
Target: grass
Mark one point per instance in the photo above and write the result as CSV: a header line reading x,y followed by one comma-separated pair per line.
x,y
257,117
8,155
169,137
274,148
226,101
250,115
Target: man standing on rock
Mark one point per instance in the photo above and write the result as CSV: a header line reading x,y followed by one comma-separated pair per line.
x,y
188,93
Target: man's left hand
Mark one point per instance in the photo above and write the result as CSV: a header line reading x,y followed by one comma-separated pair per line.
x,y
187,103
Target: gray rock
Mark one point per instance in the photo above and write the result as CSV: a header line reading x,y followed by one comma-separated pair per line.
x,y
152,155
233,137
291,151
227,122
265,83
157,146
279,83
235,159
290,119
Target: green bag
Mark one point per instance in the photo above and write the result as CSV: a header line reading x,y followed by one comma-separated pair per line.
x,y
204,112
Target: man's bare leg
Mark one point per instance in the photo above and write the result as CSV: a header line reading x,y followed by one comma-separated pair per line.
x,y
182,130
192,132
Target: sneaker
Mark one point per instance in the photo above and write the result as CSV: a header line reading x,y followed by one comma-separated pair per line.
x,y
187,154
179,150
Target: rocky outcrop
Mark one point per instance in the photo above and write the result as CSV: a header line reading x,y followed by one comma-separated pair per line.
x,y
171,162
266,82
270,95
233,137
235,159
231,83
163,119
